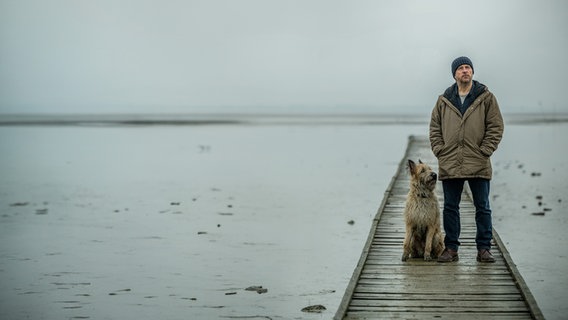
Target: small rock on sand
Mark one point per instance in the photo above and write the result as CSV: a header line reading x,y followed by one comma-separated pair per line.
x,y
19,204
258,289
318,308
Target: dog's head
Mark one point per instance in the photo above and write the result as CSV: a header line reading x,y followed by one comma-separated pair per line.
x,y
422,174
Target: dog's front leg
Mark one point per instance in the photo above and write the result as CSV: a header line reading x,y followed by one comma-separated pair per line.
x,y
406,244
428,247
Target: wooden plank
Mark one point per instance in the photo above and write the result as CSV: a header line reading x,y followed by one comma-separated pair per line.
x,y
438,297
384,287
447,315
496,305
435,269
424,289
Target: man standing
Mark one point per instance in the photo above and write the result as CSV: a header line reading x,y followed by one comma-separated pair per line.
x,y
465,129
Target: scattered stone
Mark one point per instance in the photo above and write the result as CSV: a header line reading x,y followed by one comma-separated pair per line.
x,y
175,203
538,213
229,206
230,293
19,204
538,197
327,291
524,207
351,222
202,232
258,289
118,291
191,299
204,148
41,211
318,308
536,174
218,225
225,213
547,209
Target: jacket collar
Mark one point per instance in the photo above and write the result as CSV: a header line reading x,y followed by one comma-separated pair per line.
x,y
449,104
452,94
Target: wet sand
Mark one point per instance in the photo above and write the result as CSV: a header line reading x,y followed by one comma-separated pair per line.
x,y
530,209
176,222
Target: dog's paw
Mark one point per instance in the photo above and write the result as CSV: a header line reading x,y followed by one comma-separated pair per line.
x,y
404,257
427,257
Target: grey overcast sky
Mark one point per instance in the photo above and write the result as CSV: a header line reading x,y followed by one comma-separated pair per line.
x,y
85,56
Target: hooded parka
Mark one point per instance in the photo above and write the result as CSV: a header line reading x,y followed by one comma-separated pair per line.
x,y
464,142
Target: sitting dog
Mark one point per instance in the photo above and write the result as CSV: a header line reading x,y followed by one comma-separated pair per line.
x,y
422,215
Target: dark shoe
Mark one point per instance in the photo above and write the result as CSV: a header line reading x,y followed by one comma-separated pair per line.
x,y
485,256
448,255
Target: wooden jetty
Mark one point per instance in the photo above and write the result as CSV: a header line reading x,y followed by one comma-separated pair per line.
x,y
384,287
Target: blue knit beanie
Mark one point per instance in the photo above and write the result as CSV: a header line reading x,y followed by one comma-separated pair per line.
x,y
458,62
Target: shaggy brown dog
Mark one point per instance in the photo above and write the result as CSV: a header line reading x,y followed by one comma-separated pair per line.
x,y
422,215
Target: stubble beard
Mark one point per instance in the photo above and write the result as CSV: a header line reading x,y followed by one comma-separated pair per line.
x,y
465,81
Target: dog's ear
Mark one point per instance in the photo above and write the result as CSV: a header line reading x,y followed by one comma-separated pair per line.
x,y
420,161
411,166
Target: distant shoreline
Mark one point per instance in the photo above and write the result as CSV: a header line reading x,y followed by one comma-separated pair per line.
x,y
250,119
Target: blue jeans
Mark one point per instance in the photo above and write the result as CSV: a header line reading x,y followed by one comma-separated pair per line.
x,y
452,195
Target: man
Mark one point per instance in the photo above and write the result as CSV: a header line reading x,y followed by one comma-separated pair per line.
x,y
465,129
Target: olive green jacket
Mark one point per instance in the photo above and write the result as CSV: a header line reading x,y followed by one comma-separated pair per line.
x,y
464,143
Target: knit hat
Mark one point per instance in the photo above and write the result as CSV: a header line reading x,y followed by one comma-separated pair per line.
x,y
458,62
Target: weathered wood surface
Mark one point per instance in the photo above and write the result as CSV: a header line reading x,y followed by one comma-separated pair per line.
x,y
384,287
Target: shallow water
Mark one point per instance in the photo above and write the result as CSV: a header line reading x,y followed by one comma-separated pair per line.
x,y
530,209
175,222
178,221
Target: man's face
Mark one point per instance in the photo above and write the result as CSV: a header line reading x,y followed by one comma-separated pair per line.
x,y
464,73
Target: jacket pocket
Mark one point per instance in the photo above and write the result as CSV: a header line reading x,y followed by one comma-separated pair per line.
x,y
446,150
477,150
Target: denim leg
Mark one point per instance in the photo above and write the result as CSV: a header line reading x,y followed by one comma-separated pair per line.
x,y
451,214
480,191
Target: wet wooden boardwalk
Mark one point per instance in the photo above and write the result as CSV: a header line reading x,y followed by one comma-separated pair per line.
x,y
384,287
